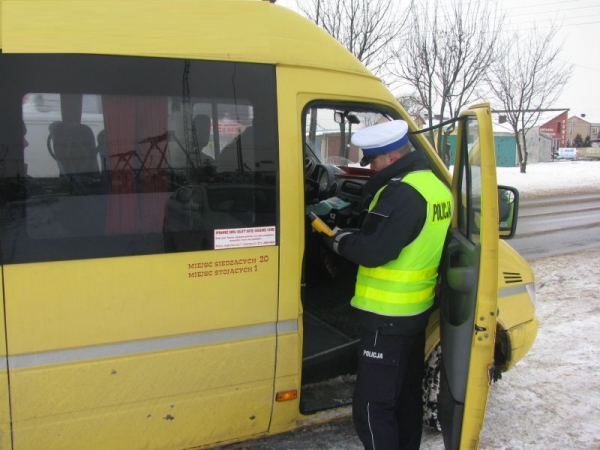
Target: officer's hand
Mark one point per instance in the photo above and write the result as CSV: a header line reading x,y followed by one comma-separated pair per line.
x,y
333,242
329,240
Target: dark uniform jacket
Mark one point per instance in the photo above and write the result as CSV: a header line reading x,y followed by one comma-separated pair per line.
x,y
396,220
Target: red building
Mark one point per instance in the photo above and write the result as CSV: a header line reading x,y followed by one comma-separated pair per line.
x,y
557,129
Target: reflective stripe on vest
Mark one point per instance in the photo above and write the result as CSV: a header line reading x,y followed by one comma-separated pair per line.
x,y
405,286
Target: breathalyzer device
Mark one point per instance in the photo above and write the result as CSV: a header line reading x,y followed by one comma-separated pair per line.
x,y
319,225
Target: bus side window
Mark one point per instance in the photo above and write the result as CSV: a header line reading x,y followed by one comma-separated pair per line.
x,y
101,172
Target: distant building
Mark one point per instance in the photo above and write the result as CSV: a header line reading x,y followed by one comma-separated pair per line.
x,y
540,146
328,146
557,129
504,141
506,146
578,125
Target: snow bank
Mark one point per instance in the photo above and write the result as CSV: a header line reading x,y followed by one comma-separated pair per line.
x,y
551,399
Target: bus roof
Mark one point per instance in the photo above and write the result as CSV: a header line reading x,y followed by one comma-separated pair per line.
x,y
228,30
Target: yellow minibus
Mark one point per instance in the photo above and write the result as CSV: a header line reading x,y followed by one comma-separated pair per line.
x,y
162,287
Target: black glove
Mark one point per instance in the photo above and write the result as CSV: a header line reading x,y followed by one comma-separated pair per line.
x,y
329,240
334,242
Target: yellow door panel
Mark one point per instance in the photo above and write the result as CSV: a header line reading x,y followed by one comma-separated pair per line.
x,y
5,429
167,399
59,389
469,307
139,248
101,301
143,344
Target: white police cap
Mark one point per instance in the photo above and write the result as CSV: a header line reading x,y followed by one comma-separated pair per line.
x,y
381,138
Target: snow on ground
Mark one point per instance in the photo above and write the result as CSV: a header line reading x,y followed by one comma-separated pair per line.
x,y
553,178
551,399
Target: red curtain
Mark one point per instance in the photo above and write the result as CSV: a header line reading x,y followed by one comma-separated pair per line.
x,y
119,124
136,134
153,140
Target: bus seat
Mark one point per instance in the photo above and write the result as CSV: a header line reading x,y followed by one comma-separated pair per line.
x,y
73,146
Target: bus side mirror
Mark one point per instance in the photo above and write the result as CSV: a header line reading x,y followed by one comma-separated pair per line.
x,y
508,211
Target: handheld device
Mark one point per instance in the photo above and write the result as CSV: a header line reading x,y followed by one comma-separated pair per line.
x,y
319,225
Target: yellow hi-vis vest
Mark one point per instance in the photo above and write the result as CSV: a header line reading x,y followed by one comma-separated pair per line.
x,y
405,286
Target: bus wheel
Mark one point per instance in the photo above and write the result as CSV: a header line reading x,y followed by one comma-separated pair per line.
x,y
431,388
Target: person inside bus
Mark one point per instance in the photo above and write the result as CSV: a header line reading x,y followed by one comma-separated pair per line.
x,y
398,250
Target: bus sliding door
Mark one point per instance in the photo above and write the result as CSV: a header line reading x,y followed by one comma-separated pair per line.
x,y
139,246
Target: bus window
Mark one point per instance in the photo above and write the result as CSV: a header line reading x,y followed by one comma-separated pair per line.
x,y
105,165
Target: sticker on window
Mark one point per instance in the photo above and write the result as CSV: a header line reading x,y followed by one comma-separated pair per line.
x,y
244,237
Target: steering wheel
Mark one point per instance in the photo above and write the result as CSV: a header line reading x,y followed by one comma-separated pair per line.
x,y
309,166
322,182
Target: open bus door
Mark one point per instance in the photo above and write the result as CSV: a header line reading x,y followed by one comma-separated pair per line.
x,y
469,306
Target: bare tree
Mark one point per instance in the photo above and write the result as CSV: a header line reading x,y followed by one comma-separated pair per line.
x,y
367,28
445,55
412,105
528,79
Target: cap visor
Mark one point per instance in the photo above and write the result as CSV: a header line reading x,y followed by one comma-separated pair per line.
x,y
366,160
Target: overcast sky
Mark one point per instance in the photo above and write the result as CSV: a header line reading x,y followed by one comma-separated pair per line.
x,y
580,32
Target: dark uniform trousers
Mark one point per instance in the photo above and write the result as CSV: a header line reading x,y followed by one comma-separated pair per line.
x,y
387,408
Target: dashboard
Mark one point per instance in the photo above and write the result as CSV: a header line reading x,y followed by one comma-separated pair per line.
x,y
336,195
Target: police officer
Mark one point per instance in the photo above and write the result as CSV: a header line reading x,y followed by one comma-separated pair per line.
x,y
398,250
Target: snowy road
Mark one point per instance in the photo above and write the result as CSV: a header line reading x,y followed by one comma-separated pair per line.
x,y
563,213
557,224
